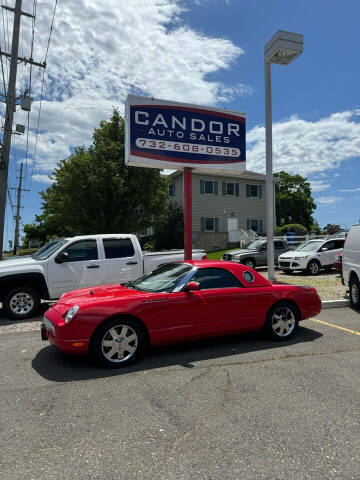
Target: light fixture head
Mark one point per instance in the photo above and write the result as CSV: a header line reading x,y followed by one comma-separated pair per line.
x,y
284,47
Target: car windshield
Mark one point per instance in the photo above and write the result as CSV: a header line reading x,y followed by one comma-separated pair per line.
x,y
163,279
44,252
255,245
309,246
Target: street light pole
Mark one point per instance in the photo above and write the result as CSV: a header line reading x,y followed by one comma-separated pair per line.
x,y
269,176
282,49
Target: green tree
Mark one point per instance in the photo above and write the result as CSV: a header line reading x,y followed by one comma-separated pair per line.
x,y
169,228
94,192
294,202
330,229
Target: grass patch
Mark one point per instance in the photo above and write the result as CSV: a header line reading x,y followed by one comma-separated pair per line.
x,y
216,255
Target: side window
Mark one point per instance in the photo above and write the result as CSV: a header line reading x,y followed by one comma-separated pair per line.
x,y
330,245
278,244
339,243
209,278
118,247
82,251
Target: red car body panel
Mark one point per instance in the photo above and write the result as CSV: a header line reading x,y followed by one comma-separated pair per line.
x,y
177,316
338,262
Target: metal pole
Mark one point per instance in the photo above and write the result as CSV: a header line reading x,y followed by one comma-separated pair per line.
x,y
188,213
10,108
269,176
17,220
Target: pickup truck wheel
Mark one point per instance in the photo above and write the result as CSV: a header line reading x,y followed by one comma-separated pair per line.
x,y
21,302
117,343
354,285
250,262
313,267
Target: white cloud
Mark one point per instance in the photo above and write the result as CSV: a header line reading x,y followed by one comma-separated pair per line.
x,y
350,190
42,178
305,147
328,200
101,51
318,185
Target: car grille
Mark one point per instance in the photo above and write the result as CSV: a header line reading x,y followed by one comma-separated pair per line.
x,y
284,264
48,325
227,256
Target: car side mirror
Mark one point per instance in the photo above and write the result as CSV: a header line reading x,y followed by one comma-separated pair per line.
x,y
192,286
62,257
324,249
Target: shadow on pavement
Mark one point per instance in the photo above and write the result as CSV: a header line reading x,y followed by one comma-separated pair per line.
x,y
55,366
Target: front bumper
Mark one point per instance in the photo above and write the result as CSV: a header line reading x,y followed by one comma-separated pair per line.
x,y
56,332
291,264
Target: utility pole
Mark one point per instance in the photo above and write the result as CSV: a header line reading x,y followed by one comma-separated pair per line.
x,y
10,109
18,206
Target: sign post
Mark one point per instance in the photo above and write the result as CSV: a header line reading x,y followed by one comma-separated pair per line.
x,y
178,136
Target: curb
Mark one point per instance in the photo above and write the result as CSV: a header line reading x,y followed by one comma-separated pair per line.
x,y
335,303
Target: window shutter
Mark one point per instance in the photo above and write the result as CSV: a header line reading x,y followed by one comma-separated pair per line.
x,y
216,224
236,189
224,189
215,187
202,186
248,192
261,226
260,191
248,223
203,224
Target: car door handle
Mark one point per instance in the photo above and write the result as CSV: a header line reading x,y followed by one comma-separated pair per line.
x,y
132,263
93,266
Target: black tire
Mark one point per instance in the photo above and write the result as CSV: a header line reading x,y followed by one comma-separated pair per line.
x,y
313,267
282,309
354,286
21,302
98,350
250,262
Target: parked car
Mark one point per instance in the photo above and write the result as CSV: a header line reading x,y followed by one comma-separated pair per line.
x,y
72,263
176,302
338,262
255,254
351,265
312,256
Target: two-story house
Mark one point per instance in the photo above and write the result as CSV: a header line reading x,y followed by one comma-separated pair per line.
x,y
221,205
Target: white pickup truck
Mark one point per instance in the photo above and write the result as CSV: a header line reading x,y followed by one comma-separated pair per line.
x,y
72,263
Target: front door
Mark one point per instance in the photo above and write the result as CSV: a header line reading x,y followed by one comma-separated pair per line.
x,y
82,269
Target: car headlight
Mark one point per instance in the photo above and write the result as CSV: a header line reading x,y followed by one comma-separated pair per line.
x,y
236,257
71,313
299,258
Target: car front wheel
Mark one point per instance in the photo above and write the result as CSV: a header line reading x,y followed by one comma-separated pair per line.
x,y
117,343
250,263
354,285
282,321
313,267
21,302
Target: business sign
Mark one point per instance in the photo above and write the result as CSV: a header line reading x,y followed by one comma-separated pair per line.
x,y
163,134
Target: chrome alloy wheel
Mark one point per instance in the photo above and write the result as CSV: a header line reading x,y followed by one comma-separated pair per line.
x,y
283,321
21,303
355,293
119,343
314,268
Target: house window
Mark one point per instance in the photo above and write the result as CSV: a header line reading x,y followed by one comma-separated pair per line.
x,y
209,224
172,189
230,189
253,191
254,225
209,187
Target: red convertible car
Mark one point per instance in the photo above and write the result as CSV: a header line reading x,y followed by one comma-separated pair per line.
x,y
176,302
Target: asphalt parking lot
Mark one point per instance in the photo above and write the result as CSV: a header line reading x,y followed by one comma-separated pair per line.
x,y
233,408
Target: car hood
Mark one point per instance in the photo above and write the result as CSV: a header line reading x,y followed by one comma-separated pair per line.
x,y
17,262
91,295
294,253
244,251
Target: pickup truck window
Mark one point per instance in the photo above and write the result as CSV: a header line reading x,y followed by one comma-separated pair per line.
x,y
82,251
279,244
118,247
44,252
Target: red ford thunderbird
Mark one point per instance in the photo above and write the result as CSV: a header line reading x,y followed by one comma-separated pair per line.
x,y
176,302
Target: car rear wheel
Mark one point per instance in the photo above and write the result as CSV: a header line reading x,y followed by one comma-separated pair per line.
x,y
21,302
117,343
282,321
250,262
313,267
354,293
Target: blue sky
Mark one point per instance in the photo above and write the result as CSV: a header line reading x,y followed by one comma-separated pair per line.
x,y
208,52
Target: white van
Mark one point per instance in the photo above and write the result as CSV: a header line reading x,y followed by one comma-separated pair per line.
x,y
351,265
